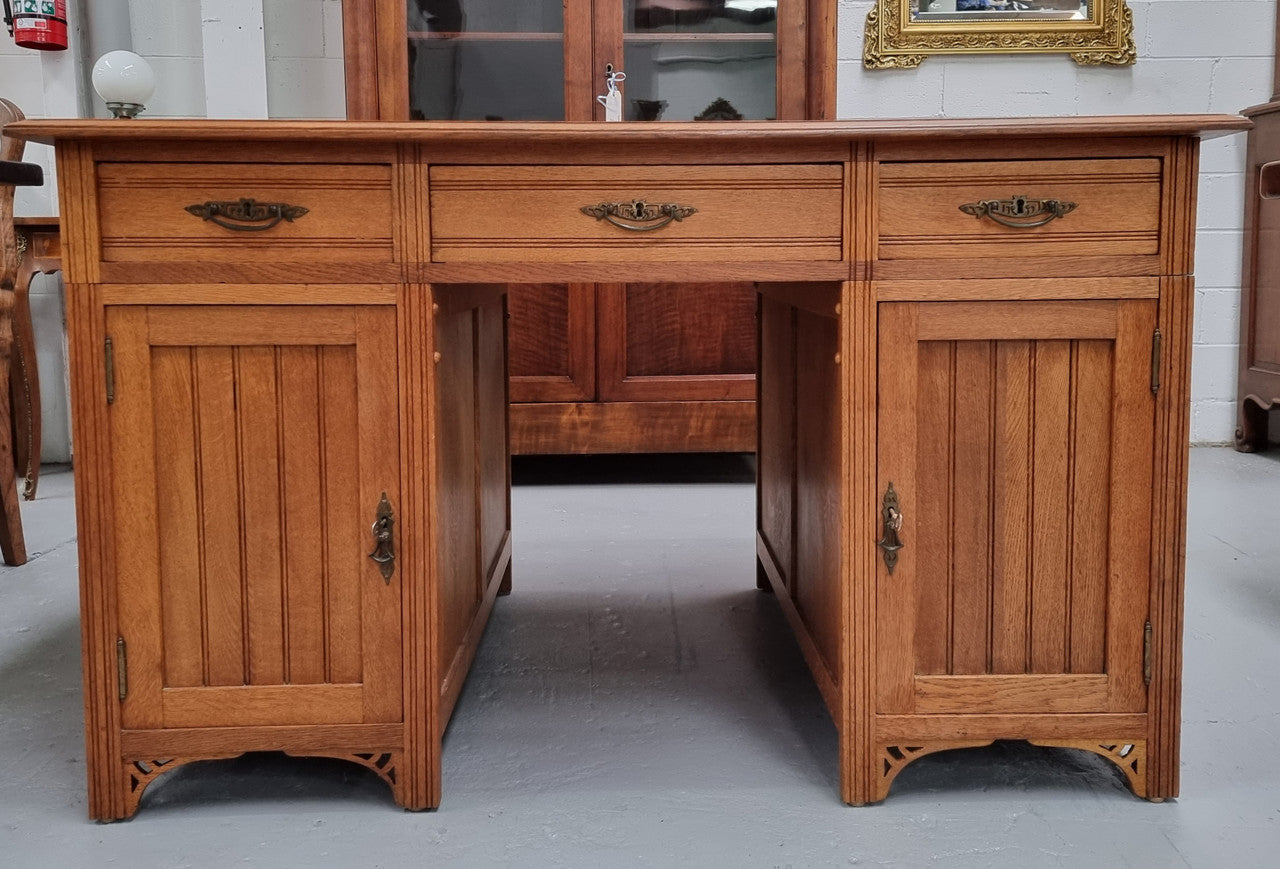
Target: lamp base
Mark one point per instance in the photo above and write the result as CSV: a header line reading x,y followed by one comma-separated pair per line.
x,y
125,110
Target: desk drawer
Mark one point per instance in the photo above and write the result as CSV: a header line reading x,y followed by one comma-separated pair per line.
x,y
145,216
644,213
1116,209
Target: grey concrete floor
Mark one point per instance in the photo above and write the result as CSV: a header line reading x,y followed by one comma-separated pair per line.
x,y
636,702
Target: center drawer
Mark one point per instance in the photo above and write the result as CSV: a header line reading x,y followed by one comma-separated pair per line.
x,y
637,213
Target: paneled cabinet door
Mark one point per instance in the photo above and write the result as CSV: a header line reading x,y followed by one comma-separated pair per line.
x,y
1017,439
690,342
552,342
250,449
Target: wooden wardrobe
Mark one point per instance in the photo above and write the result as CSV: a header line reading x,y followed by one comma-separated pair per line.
x,y
1259,390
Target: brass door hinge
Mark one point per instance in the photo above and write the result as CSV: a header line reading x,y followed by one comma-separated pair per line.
x,y
109,357
122,667
1146,654
1156,341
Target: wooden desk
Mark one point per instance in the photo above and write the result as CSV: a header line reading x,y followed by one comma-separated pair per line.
x,y
40,252
972,444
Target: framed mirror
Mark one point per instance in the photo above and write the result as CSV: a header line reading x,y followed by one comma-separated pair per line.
x,y
902,33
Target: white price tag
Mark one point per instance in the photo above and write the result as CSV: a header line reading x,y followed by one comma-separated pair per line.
x,y
612,101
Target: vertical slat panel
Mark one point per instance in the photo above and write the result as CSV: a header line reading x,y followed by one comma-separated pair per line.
x,y
896,454
1049,506
1092,399
416,586
816,586
971,510
178,509
345,516
92,424
932,528
1133,407
456,449
792,74
378,457
391,56
491,409
140,583
220,516
776,458
257,398
1010,552
304,566
583,71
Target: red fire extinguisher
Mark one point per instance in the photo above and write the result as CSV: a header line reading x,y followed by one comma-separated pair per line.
x,y
37,23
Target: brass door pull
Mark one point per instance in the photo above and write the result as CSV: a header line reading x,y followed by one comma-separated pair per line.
x,y
891,519
1019,211
638,215
246,215
384,552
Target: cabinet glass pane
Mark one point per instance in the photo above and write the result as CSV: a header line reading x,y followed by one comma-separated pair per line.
x,y
477,60
700,59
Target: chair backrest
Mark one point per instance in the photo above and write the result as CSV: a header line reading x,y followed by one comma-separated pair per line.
x,y
10,149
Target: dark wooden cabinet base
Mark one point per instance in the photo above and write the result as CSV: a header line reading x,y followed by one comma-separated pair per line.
x,y
1259,385
1259,388
633,427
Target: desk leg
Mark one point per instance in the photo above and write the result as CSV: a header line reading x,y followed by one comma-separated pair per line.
x,y
24,386
12,544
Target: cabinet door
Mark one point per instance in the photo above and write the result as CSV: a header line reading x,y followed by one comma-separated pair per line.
x,y
473,60
250,449
552,342
687,342
696,60
1017,437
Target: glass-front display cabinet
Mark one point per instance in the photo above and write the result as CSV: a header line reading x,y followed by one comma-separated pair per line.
x,y
625,367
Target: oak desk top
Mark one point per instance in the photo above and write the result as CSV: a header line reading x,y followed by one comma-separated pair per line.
x,y
519,133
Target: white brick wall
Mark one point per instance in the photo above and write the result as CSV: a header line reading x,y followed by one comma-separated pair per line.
x,y
305,72
1194,56
167,34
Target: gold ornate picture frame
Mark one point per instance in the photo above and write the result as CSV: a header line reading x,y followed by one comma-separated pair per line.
x,y
900,34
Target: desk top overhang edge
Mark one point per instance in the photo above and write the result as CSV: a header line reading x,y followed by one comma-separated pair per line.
x,y
667,133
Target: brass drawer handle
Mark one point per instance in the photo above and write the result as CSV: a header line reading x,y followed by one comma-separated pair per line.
x,y
638,216
891,518
1019,211
247,215
384,553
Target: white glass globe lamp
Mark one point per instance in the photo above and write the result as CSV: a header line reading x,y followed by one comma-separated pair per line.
x,y
125,82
